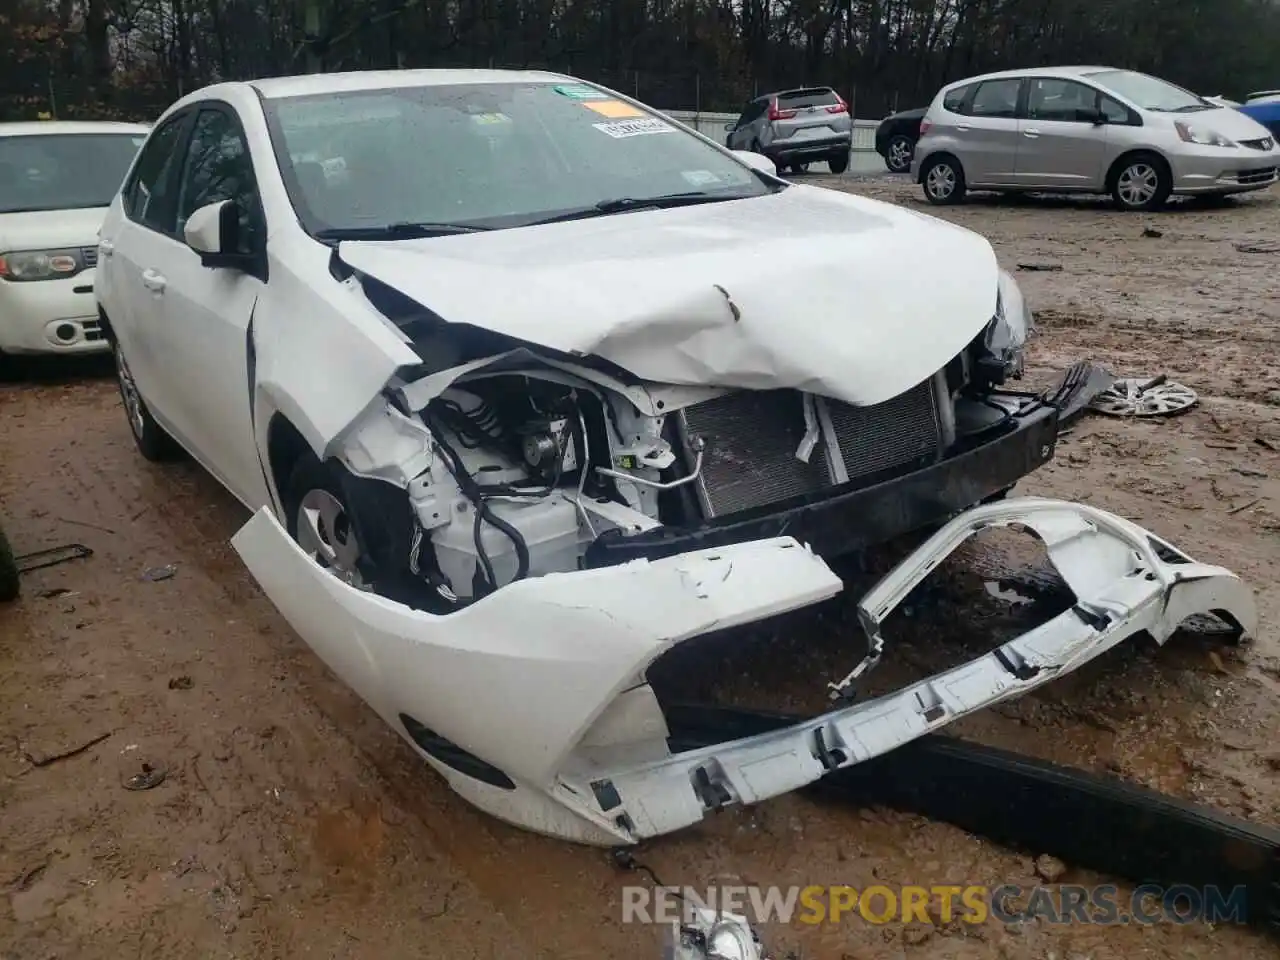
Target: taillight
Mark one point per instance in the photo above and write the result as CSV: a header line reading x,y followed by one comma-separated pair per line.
x,y
839,106
924,126
776,114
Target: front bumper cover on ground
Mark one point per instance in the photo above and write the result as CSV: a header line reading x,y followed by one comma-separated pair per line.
x,y
522,678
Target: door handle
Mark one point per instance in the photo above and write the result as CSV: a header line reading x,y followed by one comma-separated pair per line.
x,y
106,247
153,281
962,126
1031,133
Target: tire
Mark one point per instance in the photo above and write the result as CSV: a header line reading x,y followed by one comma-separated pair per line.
x,y
1141,183
9,586
839,162
153,441
943,181
897,155
328,536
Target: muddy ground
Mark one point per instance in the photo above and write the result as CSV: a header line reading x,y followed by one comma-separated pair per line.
x,y
291,823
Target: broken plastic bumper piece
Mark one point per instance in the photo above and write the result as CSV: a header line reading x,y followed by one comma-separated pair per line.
x,y
1126,581
533,704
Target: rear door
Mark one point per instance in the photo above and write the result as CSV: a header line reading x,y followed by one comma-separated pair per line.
x,y
814,114
986,133
1061,144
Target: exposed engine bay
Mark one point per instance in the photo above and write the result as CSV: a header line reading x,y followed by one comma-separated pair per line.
x,y
532,466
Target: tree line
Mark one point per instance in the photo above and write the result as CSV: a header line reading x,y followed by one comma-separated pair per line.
x,y
131,58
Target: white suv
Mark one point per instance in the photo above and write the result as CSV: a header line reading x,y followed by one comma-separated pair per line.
x,y
56,181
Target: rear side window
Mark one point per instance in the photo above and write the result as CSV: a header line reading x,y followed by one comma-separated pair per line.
x,y
799,99
996,98
150,193
954,101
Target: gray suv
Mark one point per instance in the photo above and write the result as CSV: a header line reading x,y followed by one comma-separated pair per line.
x,y
796,127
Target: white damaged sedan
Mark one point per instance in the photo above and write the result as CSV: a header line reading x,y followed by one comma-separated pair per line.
x,y
527,385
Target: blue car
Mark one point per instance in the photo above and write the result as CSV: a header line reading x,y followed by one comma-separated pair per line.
x,y
1265,108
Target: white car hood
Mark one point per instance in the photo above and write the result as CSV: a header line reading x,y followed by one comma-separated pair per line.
x,y
50,229
809,288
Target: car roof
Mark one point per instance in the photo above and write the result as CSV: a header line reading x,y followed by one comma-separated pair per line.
x,y
42,127
820,88
357,80
1064,73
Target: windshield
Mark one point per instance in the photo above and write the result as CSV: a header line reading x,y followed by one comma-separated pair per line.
x,y
486,156
56,171
1149,93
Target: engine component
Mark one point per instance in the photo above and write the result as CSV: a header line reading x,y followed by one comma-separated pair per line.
x,y
548,526
752,439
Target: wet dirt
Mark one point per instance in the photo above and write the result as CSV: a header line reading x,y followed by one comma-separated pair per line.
x,y
278,817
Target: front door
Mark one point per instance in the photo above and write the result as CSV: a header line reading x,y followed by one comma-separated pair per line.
x,y
207,311
1062,145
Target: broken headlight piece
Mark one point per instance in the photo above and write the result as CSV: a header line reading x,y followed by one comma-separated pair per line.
x,y
1000,357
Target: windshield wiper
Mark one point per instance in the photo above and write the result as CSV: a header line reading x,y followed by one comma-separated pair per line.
x,y
1194,108
624,204
400,230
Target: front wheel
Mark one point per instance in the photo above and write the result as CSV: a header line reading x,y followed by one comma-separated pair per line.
x,y
9,586
898,155
1142,184
319,520
943,182
839,162
154,442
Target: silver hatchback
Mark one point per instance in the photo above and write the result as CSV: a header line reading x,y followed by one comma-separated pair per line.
x,y
796,127
1087,130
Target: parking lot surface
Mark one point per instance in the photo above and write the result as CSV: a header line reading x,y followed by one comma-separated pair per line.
x,y
291,823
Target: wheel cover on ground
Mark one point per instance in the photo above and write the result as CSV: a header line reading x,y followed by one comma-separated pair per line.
x,y
1138,183
129,394
941,181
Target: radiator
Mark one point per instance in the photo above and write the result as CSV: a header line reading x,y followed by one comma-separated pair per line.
x,y
751,438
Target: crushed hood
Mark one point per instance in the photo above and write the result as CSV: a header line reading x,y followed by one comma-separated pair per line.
x,y
808,288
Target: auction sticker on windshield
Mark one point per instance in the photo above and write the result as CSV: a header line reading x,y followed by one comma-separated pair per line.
x,y
620,129
614,109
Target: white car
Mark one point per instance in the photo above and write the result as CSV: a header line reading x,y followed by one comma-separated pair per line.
x,y
529,387
56,181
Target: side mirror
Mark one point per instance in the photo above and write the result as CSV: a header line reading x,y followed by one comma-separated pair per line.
x,y
757,161
213,231
1096,117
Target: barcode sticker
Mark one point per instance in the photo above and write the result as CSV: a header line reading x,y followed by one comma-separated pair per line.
x,y
620,129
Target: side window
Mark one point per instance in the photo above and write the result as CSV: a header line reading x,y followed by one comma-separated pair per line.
x,y
149,195
1113,110
1061,100
953,102
996,98
218,167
